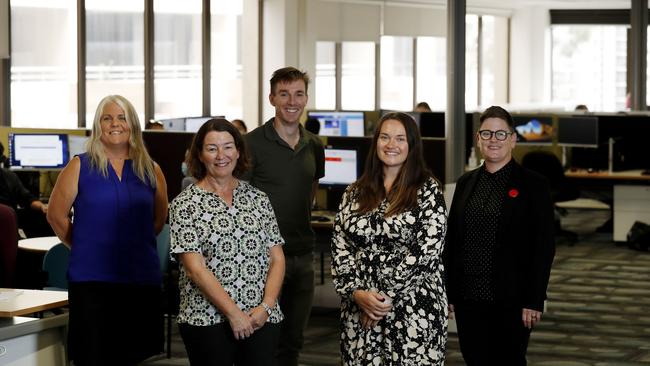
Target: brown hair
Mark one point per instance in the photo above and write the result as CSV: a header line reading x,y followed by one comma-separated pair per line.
x,y
287,75
412,175
196,167
498,112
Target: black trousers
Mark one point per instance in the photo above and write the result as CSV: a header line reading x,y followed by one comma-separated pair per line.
x,y
491,335
215,345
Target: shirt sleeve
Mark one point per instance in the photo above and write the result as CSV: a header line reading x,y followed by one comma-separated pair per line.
x,y
423,255
345,274
183,232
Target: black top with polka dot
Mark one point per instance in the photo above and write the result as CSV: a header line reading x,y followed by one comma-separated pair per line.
x,y
481,220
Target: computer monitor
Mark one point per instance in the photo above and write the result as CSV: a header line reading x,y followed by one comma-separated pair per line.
x,y
77,145
339,123
192,124
173,124
534,130
578,131
432,124
341,167
38,151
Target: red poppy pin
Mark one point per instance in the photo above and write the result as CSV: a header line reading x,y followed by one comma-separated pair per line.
x,y
513,193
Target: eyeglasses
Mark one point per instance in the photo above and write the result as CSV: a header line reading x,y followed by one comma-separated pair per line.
x,y
500,135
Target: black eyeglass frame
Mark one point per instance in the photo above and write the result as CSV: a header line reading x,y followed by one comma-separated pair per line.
x,y
496,134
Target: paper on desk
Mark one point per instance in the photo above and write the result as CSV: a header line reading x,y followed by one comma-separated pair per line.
x,y
9,295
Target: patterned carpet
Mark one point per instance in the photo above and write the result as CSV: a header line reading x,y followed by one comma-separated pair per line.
x,y
598,312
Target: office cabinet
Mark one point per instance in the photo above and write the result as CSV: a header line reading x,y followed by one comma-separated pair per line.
x,y
631,203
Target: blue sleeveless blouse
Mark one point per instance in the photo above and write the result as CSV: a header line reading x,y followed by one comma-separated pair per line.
x,y
113,238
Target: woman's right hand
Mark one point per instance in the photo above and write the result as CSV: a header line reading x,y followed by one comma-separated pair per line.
x,y
241,324
372,303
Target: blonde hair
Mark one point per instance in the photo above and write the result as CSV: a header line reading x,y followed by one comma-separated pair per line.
x,y
143,165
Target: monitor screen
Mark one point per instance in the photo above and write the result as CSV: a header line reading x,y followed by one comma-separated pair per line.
x,y
173,124
534,130
432,124
339,123
77,145
192,124
340,167
577,131
38,151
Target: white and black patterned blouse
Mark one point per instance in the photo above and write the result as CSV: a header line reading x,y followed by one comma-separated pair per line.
x,y
399,255
235,242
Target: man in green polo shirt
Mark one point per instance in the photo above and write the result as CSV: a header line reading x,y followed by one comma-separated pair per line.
x,y
287,161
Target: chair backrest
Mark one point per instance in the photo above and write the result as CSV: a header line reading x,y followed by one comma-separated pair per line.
x,y
8,245
55,264
548,165
163,243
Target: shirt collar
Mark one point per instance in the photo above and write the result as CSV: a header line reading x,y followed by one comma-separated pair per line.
x,y
272,135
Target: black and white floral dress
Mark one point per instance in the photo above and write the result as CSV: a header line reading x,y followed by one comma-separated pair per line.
x,y
400,256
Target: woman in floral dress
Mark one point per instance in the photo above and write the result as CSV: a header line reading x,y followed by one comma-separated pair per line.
x,y
386,254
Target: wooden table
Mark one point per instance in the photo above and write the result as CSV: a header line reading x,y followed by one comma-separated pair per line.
x,y
42,244
15,302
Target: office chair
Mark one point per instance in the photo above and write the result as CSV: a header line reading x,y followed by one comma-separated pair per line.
x,y
548,165
8,245
55,264
170,303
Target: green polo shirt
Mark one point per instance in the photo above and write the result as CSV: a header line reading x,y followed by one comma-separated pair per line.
x,y
286,176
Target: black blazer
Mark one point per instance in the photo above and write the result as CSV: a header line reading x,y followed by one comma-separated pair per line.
x,y
525,240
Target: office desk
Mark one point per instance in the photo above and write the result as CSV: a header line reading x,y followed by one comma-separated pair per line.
x,y
42,244
15,302
631,192
627,175
323,225
31,341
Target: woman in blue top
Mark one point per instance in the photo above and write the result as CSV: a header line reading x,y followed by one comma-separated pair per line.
x,y
119,198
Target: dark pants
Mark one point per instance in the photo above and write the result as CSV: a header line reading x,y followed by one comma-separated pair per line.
x,y
215,345
295,302
491,335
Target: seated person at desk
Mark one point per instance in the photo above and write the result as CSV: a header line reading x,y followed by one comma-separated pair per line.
x,y
14,194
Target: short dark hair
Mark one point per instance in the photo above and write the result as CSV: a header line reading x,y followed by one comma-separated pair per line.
x,y
196,167
497,112
287,75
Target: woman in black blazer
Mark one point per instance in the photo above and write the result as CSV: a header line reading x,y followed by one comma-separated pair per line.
x,y
499,249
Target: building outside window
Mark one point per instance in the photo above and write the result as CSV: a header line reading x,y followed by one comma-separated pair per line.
x,y
358,76
396,73
114,53
589,66
226,86
177,58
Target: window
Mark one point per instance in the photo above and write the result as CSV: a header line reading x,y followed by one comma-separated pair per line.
x,y
114,53
358,76
177,58
325,80
396,73
43,63
432,72
226,86
589,66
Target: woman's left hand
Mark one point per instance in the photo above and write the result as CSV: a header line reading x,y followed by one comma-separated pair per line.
x,y
530,317
259,316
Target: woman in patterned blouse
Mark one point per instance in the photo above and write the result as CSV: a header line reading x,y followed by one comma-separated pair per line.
x,y
388,237
226,237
